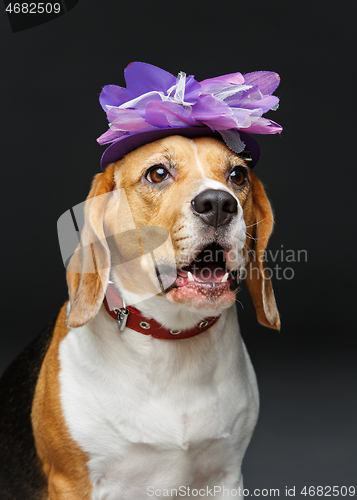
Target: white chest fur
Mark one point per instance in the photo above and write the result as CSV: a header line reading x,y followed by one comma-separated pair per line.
x,y
159,414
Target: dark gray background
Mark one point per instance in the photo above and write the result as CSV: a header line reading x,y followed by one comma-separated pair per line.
x,y
51,77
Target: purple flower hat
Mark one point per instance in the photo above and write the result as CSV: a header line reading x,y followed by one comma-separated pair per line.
x,y
156,104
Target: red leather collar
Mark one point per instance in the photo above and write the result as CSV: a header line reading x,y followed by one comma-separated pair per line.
x,y
136,321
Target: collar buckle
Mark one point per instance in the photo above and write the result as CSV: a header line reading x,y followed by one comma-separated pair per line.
x,y
122,316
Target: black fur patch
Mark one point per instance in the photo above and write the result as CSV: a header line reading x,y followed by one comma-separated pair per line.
x,y
21,476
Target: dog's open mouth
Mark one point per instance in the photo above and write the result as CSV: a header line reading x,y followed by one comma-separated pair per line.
x,y
208,271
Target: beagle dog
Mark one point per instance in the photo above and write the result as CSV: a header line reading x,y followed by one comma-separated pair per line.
x,y
122,412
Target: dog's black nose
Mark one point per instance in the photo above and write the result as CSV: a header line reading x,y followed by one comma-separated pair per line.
x,y
215,207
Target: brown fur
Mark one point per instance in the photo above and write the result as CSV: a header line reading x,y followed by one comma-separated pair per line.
x,y
91,260
64,463
260,221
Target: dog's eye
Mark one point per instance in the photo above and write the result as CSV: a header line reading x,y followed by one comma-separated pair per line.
x,y
157,174
238,176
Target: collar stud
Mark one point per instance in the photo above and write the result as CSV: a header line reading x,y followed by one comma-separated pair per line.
x,y
175,332
203,324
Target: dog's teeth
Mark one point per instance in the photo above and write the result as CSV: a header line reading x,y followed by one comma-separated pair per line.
x,y
225,277
190,277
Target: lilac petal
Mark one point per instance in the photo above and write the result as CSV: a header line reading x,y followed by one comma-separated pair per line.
x,y
139,103
113,95
267,81
220,123
211,83
168,114
251,95
253,99
208,107
213,113
192,89
142,77
264,126
265,104
230,94
110,136
126,119
241,116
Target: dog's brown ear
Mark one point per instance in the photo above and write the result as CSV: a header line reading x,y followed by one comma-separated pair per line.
x,y
257,277
89,267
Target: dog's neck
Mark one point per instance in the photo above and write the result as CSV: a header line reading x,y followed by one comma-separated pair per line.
x,y
189,362
169,315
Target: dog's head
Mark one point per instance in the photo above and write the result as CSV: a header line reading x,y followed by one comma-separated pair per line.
x,y
215,214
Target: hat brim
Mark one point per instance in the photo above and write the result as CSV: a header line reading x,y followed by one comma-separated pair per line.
x,y
124,145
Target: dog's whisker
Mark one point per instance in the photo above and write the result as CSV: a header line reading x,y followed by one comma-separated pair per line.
x,y
254,238
250,236
257,222
240,303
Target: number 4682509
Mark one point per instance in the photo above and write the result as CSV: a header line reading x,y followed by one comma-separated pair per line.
x,y
328,491
33,8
